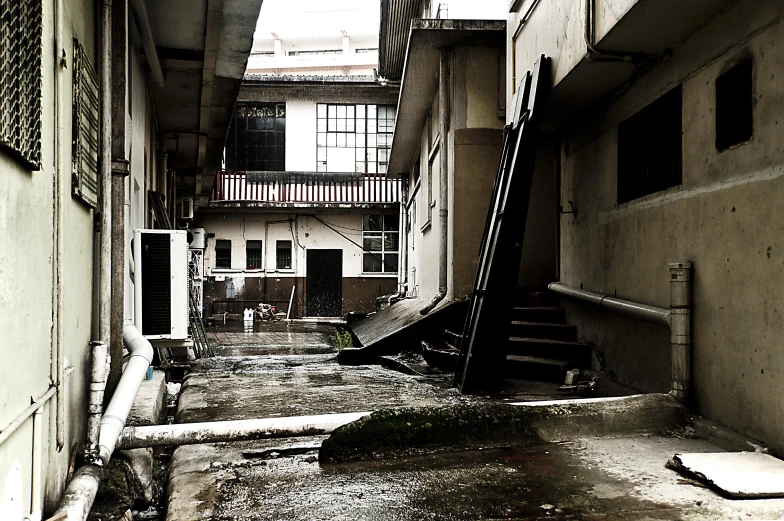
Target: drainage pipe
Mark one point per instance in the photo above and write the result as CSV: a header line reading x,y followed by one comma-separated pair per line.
x,y
150,51
80,493
238,430
677,318
402,277
443,181
100,368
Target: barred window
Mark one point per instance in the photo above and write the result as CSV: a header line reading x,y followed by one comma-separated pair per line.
x,y
283,255
354,138
380,239
223,254
253,255
86,114
20,79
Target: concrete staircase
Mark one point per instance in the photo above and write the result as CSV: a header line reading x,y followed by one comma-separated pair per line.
x,y
542,346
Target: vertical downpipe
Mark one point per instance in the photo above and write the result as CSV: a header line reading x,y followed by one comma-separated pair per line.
x,y
680,329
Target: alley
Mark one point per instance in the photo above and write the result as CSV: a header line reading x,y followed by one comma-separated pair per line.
x,y
289,370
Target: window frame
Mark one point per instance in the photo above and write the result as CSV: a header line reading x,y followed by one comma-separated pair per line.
x,y
222,245
278,251
383,233
244,144
248,249
735,105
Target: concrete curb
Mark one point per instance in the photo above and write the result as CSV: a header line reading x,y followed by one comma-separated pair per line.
x,y
407,431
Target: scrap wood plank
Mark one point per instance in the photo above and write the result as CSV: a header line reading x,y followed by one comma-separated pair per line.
x,y
486,331
736,474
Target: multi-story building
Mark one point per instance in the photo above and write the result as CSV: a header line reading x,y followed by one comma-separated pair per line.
x,y
85,151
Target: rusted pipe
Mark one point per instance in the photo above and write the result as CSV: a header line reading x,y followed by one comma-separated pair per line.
x,y
677,318
100,354
238,430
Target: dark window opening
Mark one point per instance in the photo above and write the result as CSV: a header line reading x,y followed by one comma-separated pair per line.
x,y
223,254
257,138
734,106
253,255
283,255
380,243
649,148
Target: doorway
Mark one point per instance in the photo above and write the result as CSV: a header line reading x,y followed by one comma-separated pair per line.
x,y
324,283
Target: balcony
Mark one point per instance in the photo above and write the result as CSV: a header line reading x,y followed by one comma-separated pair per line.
x,y
304,190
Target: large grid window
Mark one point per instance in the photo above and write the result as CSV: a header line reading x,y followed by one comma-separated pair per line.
x,y
223,254
354,138
283,255
257,137
380,240
20,79
253,255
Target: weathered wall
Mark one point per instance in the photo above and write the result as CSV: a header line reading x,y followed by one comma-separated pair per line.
x,y
235,287
725,218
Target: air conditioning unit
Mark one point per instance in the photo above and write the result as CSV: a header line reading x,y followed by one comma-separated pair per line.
x,y
198,238
160,279
186,209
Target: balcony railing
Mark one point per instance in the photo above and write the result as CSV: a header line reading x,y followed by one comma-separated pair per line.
x,y
295,188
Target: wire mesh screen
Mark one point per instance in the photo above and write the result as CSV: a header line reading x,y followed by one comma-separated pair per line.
x,y
86,113
20,79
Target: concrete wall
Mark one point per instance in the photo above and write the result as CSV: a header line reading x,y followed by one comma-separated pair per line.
x,y
29,219
227,290
725,218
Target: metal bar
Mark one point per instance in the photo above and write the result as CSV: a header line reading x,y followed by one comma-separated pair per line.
x,y
624,307
17,422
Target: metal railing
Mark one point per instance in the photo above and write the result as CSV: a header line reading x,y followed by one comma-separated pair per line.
x,y
305,187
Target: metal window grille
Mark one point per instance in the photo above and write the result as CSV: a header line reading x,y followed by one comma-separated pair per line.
x,y
223,254
257,137
283,255
20,79
253,255
196,277
86,114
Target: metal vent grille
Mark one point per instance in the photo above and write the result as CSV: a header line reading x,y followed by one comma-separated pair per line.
x,y
20,79
156,284
86,113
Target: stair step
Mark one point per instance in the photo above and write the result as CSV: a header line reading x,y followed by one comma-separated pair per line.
x,y
539,299
543,330
553,349
537,368
452,338
550,315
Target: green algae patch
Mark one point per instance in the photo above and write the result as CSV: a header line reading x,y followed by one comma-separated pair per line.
x,y
407,431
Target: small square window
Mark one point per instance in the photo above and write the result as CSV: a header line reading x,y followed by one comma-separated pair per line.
x,y
650,148
283,255
223,254
734,105
253,257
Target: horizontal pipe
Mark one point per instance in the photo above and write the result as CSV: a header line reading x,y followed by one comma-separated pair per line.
x,y
238,430
17,422
625,307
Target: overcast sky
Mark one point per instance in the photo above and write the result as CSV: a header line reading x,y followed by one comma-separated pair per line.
x,y
294,18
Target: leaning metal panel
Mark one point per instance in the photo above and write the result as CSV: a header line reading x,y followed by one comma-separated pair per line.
x,y
86,114
20,79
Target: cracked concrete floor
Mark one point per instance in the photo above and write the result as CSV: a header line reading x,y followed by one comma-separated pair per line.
x,y
591,478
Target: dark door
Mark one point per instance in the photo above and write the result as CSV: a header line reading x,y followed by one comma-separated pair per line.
x,y
325,283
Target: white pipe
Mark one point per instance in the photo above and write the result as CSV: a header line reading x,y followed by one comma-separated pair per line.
x,y
625,307
100,353
78,497
17,422
443,182
150,51
238,430
36,495
291,301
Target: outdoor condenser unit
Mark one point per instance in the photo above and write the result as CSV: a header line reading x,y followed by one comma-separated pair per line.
x,y
160,279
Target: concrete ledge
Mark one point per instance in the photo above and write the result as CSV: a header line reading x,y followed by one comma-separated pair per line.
x,y
407,431
148,406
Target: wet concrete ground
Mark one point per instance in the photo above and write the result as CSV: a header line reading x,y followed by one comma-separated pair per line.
x,y
592,478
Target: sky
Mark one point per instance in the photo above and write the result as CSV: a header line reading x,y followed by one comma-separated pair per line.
x,y
297,18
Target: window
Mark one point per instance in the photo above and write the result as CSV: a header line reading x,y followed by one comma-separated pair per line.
x,y
283,255
354,138
223,254
734,106
86,111
366,50
253,255
649,148
319,52
257,138
380,239
20,79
